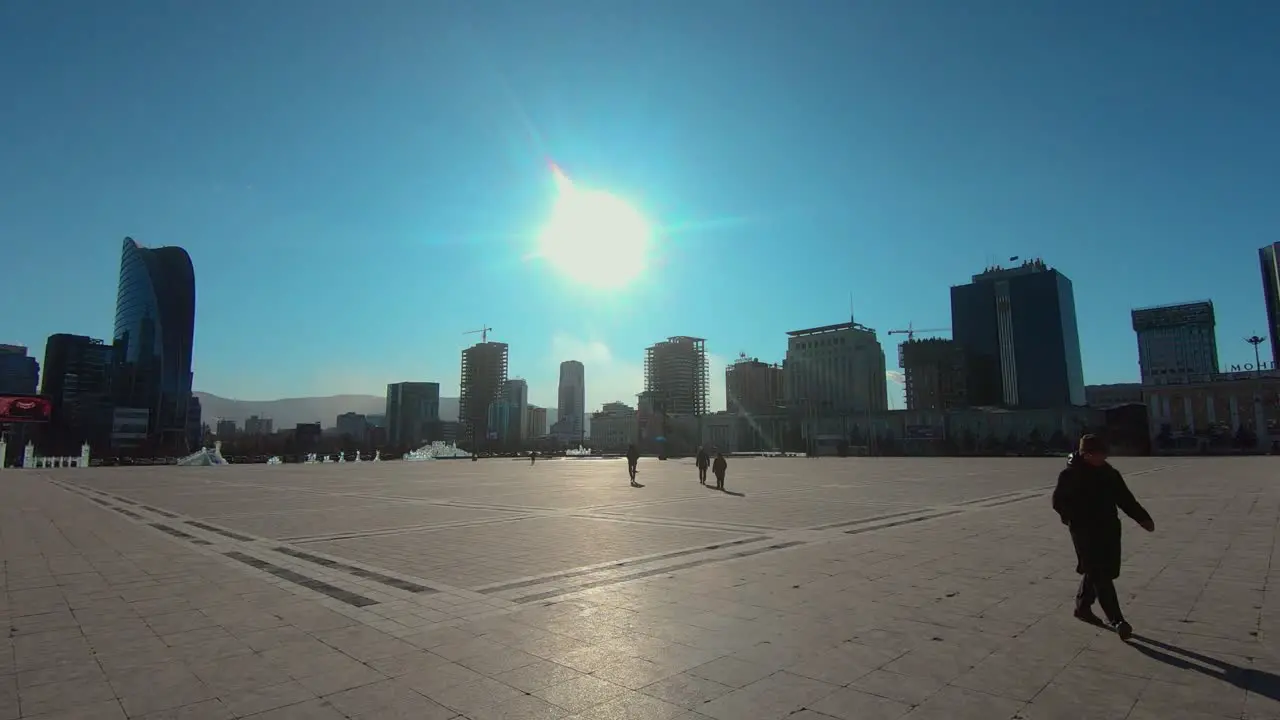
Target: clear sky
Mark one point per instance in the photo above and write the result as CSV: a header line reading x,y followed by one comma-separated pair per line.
x,y
358,183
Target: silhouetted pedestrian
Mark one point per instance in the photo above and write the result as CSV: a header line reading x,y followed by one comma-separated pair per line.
x,y
633,459
1088,493
702,461
718,468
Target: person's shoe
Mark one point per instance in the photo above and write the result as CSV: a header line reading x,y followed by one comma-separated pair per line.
x,y
1086,615
1123,629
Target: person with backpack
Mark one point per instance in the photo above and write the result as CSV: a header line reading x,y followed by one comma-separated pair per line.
x,y
1088,493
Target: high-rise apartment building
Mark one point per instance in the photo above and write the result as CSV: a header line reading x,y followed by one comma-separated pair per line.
x,y
1269,259
484,373
225,429
154,331
933,374
515,396
836,369
752,387
1018,330
535,422
254,425
677,380
19,372
19,375
352,425
413,408
1177,344
571,420
77,381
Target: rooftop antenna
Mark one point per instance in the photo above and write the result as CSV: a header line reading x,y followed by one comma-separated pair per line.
x,y
851,307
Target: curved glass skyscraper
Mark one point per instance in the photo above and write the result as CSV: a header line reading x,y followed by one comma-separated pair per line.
x,y
154,329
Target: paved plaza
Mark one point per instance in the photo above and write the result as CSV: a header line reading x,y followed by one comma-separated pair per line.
x,y
856,589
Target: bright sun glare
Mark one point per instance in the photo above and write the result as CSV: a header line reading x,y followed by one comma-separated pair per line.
x,y
594,238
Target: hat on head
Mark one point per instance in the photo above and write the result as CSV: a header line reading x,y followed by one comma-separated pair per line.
x,y
1093,444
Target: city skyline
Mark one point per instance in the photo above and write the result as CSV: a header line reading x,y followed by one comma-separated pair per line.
x,y
330,223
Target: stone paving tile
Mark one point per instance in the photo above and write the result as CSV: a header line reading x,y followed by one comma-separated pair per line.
x,y
963,615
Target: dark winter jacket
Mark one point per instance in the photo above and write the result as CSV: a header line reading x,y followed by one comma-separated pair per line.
x,y
633,455
1086,500
703,459
719,466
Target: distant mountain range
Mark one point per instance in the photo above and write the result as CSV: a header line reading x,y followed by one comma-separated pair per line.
x,y
288,412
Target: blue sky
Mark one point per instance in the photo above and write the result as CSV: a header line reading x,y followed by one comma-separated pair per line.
x,y
358,183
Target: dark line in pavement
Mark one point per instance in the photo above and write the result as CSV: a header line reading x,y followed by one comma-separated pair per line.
x,y
655,571
158,511
628,563
124,500
128,513
325,588
1013,500
219,531
173,531
988,498
886,526
864,521
359,572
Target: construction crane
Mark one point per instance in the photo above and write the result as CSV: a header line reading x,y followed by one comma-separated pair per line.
x,y
484,333
910,332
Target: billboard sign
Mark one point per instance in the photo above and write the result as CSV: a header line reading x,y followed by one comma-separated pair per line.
x,y
24,408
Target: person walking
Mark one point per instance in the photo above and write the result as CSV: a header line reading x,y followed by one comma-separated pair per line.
x,y
533,456
702,461
633,459
718,468
1088,493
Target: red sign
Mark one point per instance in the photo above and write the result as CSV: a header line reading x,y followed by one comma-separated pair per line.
x,y
24,408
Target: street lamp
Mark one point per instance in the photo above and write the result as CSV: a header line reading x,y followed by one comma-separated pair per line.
x,y
1260,422
1255,341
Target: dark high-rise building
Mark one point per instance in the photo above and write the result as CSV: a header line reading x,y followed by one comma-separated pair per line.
x,y
77,381
19,375
933,374
1018,330
1269,259
413,409
571,423
19,372
484,374
753,387
154,330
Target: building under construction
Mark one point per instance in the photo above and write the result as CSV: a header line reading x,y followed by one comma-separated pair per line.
x,y
752,387
484,374
676,376
933,372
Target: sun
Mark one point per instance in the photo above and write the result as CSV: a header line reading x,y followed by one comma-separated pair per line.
x,y
594,238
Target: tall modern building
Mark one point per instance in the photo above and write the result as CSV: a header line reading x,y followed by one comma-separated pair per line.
x,y
535,422
835,369
154,331
677,380
1177,344
19,375
77,381
412,409
484,373
570,421
1269,259
752,387
19,372
1018,329
515,396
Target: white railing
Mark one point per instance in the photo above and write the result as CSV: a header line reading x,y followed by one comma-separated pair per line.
x,y
31,460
